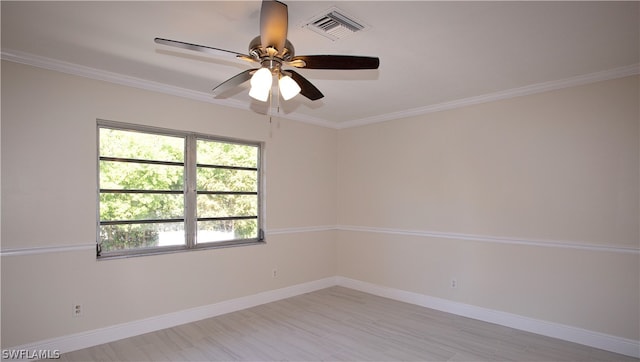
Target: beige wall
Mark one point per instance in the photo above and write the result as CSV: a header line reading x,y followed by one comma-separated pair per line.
x,y
49,199
558,166
561,166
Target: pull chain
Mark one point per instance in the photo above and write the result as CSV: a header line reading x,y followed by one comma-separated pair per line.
x,y
270,106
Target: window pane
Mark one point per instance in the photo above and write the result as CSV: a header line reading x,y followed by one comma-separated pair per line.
x,y
228,154
133,236
143,201
218,179
140,206
142,146
139,176
225,230
227,205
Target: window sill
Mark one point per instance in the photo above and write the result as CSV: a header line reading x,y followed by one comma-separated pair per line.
x,y
173,250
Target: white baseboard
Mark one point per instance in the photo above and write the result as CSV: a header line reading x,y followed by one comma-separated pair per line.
x,y
568,333
112,333
99,336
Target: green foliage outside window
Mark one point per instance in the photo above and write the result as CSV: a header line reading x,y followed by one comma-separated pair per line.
x,y
212,153
142,190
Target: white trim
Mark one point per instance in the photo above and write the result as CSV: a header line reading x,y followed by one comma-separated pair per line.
x,y
108,334
304,229
420,233
116,332
46,249
93,73
66,248
494,239
603,341
117,78
610,74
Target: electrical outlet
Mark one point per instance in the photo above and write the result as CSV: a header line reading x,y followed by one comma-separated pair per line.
x,y
274,272
76,310
454,283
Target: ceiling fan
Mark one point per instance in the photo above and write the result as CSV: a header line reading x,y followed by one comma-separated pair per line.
x,y
273,51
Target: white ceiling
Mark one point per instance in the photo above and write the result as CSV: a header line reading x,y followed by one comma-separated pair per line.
x,y
433,55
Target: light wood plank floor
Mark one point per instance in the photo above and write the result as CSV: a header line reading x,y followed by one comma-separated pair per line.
x,y
340,324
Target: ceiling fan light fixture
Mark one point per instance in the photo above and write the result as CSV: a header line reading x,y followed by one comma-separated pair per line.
x,y
261,84
272,51
288,87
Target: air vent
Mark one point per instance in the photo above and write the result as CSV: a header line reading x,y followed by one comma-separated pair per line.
x,y
335,24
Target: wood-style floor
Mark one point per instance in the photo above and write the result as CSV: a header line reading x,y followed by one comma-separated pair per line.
x,y
339,324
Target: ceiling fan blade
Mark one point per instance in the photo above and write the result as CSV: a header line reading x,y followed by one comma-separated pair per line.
x,y
307,89
196,47
337,62
233,82
274,22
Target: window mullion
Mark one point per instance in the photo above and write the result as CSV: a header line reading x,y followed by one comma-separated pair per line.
x,y
190,201
142,167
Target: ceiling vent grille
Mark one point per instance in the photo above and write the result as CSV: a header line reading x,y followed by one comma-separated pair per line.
x,y
335,24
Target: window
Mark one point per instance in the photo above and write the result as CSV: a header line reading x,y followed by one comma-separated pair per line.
x,y
163,191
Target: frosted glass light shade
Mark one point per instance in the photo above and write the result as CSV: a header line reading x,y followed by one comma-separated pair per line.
x,y
261,84
288,87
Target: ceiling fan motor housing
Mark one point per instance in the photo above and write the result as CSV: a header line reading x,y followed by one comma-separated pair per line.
x,y
273,50
257,51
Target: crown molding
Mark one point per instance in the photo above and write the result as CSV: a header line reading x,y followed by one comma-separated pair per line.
x,y
633,69
117,78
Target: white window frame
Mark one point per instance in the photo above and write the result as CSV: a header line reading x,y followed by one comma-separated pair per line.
x,y
189,190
